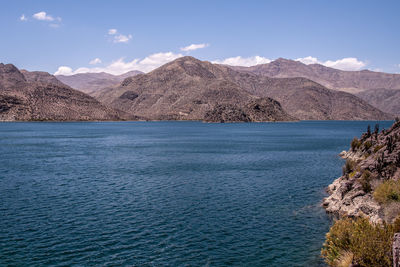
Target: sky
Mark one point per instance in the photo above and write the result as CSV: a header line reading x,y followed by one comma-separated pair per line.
x,y
67,37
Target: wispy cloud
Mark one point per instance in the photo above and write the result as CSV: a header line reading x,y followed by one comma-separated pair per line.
x,y
243,61
44,16
112,31
54,22
193,47
23,18
121,66
348,63
118,37
95,61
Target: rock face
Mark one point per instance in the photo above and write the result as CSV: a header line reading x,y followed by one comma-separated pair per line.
x,y
27,96
91,82
188,89
350,81
374,158
387,100
258,110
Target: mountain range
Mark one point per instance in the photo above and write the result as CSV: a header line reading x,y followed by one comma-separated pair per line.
x,y
349,81
91,82
31,96
191,89
188,88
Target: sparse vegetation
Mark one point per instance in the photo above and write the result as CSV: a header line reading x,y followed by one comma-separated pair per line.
x,y
380,163
367,145
355,144
348,167
365,181
368,131
387,191
377,148
364,243
376,130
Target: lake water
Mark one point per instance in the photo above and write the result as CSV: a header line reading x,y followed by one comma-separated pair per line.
x,y
167,193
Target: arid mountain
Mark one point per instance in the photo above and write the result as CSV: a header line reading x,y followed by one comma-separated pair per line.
x,y
28,96
188,88
385,99
91,82
349,81
41,77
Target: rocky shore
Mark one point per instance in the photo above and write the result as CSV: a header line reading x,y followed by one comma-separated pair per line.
x,y
372,160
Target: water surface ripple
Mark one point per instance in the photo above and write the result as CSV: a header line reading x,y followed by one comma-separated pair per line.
x,y
167,193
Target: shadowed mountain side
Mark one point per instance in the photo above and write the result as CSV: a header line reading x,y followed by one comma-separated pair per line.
x,y
188,88
384,99
91,82
258,110
34,98
350,81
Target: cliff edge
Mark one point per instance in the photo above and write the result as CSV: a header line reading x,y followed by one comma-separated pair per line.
x,y
370,184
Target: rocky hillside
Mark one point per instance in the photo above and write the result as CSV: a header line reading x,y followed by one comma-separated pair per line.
x,y
188,88
257,110
350,81
91,82
387,100
29,96
370,185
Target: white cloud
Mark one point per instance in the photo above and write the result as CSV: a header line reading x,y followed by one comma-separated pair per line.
x,y
119,38
243,61
308,60
193,47
95,61
112,31
43,16
23,18
64,70
121,66
348,63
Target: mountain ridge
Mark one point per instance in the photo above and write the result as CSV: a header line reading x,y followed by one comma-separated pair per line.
x,y
91,82
32,96
171,85
349,81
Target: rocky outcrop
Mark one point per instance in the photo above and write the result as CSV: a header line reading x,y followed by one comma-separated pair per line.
x,y
258,110
372,159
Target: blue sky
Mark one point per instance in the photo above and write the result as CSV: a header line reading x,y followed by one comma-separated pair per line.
x,y
124,35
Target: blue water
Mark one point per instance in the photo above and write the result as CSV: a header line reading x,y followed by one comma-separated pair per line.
x,y
167,193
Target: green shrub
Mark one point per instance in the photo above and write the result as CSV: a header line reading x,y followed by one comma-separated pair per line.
x,y
348,167
367,145
355,144
369,244
365,181
387,191
377,148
